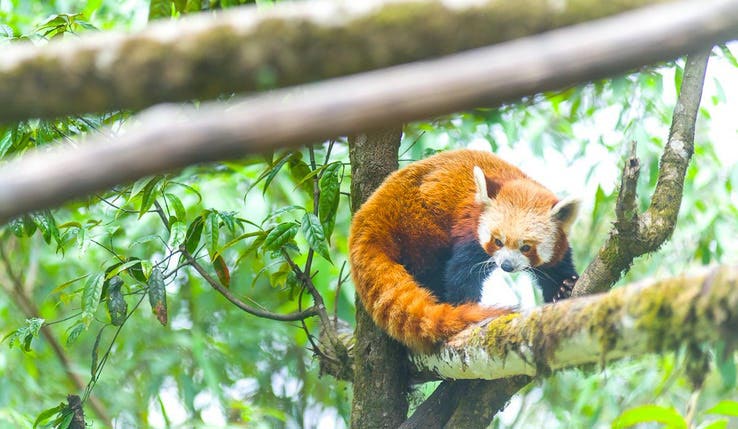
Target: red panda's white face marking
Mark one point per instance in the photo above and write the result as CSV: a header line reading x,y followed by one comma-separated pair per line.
x,y
519,228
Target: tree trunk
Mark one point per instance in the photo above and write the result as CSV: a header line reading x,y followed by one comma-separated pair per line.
x,y
380,363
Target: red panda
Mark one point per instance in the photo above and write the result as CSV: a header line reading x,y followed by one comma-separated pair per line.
x,y
422,244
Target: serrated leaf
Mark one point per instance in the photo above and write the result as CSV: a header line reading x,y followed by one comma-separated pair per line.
x,y
91,295
176,204
725,408
158,296
330,192
280,235
177,234
313,232
221,269
650,413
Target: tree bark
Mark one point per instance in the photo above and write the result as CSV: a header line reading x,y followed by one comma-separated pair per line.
x,y
167,138
628,321
245,49
380,363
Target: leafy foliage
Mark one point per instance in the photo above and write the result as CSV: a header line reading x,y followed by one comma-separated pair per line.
x,y
253,227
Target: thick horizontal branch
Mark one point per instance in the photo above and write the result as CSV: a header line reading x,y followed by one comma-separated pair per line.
x,y
167,138
627,321
243,49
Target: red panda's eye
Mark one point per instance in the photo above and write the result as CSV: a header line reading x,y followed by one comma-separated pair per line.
x,y
524,248
498,243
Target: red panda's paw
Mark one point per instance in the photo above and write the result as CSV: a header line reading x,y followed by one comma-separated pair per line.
x,y
565,289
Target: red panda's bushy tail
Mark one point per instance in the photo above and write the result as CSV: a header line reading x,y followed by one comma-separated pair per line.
x,y
398,304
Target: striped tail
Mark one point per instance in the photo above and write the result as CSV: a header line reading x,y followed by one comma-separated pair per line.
x,y
400,306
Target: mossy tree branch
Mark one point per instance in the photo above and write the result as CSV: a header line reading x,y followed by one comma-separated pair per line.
x,y
634,233
245,49
629,321
169,137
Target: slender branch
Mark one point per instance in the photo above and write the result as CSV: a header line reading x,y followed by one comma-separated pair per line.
x,y
635,234
246,50
171,137
291,317
30,310
629,321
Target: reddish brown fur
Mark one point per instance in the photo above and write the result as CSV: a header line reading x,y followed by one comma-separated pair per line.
x,y
410,220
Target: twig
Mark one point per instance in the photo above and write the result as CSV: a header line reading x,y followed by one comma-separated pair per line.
x,y
290,317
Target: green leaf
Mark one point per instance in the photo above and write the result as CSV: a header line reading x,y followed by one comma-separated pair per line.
x,y
650,413
725,408
95,346
229,220
330,192
148,195
313,232
91,295
718,424
177,234
194,232
176,204
280,235
74,331
136,270
47,414
25,334
120,267
212,233
160,9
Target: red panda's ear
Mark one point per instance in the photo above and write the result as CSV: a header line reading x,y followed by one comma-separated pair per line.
x,y
565,212
486,188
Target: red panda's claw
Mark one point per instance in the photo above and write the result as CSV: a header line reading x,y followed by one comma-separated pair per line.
x,y
567,286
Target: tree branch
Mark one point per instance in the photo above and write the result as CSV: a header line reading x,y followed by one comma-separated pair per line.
x,y
632,320
291,317
245,49
167,138
635,234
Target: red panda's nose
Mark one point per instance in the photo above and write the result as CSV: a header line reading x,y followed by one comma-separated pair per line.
x,y
507,266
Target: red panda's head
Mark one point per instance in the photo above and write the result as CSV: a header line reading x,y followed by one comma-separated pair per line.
x,y
522,224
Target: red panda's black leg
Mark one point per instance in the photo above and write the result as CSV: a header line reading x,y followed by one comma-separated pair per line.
x,y
466,270
557,281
